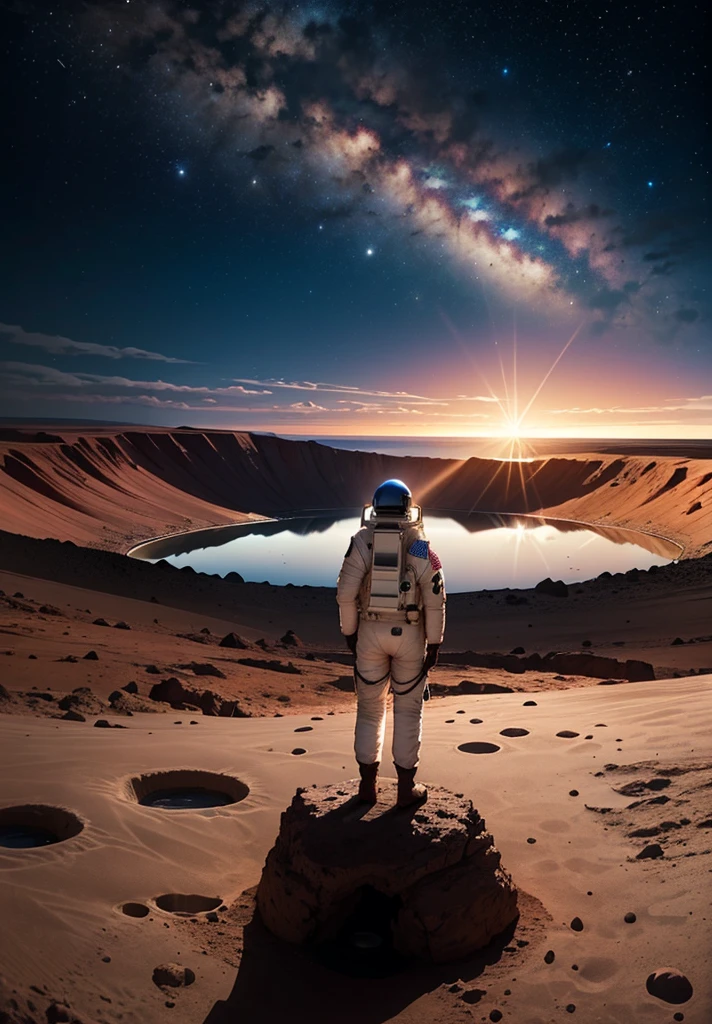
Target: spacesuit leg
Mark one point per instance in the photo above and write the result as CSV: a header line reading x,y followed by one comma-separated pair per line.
x,y
374,663
407,662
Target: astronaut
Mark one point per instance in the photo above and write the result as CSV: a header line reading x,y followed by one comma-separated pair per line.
x,y
391,596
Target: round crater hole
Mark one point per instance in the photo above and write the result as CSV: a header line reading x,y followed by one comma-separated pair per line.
x,y
478,748
134,909
31,825
187,904
186,789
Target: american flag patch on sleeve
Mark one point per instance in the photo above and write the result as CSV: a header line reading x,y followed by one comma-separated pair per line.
x,y
419,548
435,561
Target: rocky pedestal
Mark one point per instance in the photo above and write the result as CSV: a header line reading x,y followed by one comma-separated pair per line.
x,y
436,866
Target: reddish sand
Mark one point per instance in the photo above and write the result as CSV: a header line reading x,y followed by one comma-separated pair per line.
x,y
640,763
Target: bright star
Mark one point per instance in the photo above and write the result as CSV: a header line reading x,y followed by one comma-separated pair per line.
x,y
369,252
505,71
181,172
650,184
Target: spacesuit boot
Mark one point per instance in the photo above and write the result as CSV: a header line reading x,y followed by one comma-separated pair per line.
x,y
367,791
409,791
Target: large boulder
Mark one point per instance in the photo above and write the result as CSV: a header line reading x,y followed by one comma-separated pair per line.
x,y
437,865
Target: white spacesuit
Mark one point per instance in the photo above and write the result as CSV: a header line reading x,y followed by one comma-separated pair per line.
x,y
391,596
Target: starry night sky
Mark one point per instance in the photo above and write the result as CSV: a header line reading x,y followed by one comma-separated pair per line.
x,y
357,218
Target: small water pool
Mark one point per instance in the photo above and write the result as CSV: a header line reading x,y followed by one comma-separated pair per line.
x,y
479,551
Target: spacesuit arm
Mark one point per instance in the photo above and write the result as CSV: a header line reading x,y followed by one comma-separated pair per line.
x,y
432,590
353,570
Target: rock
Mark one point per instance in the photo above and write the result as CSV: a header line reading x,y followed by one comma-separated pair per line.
x,y
651,852
235,641
114,696
131,687
71,658
677,641
585,643
290,639
100,622
82,700
517,650
552,588
172,975
73,716
670,985
152,670
271,666
91,656
102,723
441,871
235,577
549,956
4,694
121,625
630,918
204,669
49,609
694,507
577,925
183,698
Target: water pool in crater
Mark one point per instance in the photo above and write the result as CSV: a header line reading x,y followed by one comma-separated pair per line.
x,y
479,551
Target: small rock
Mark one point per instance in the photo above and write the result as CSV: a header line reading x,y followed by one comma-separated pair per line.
x,y
299,750
677,641
571,1008
152,670
91,656
552,588
549,956
290,639
121,625
234,641
100,622
212,917
130,687
529,704
567,734
585,643
630,917
669,984
577,925
73,716
495,1015
573,792
173,975
517,650
531,840
650,852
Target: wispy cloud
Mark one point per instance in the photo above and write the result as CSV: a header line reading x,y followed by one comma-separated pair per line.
x,y
15,335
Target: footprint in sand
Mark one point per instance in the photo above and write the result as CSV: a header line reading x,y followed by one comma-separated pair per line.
x,y
514,732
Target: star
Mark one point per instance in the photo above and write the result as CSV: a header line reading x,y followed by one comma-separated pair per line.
x,y
650,184
505,71
369,252
181,172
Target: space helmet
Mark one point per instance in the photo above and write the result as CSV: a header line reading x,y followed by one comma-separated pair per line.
x,y
392,498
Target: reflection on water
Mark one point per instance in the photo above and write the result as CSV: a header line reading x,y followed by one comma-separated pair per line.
x,y
478,551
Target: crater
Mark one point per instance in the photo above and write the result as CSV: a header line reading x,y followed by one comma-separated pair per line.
x,y
31,825
185,789
132,909
187,904
479,748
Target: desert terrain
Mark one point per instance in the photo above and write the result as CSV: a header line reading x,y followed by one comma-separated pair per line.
x,y
601,723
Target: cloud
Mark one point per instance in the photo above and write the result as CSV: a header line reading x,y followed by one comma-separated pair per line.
x,y
307,407
58,345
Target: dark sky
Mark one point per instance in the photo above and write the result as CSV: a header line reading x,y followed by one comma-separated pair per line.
x,y
350,218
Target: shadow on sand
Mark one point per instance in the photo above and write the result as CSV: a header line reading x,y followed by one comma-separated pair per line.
x,y
277,981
